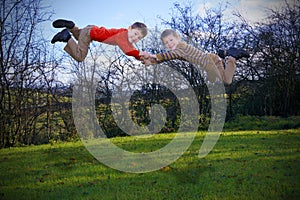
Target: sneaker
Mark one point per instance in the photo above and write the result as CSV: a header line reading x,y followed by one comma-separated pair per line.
x,y
234,52
62,23
62,36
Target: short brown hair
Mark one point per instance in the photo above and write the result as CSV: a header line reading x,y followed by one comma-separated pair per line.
x,y
168,32
141,26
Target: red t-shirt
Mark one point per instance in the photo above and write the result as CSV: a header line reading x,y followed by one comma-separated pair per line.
x,y
114,36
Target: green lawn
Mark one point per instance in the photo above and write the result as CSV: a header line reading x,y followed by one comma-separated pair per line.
x,y
242,165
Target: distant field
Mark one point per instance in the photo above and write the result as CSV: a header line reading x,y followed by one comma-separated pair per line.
x,y
242,165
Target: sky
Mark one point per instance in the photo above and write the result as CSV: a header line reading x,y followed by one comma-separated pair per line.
x,y
120,13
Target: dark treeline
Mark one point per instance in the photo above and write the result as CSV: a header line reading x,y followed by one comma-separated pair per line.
x,y
36,108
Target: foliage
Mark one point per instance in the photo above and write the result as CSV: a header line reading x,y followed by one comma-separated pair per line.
x,y
262,123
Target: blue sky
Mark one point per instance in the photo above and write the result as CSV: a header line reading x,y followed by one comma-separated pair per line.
x,y
111,14
120,13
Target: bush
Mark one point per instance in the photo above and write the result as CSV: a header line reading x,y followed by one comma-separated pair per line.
x,y
262,123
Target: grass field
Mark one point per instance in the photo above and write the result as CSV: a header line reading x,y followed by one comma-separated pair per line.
x,y
242,165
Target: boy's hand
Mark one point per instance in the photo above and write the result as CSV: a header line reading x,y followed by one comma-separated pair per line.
x,y
153,56
144,55
147,62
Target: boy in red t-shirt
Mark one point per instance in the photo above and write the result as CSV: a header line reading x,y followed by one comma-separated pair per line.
x,y
122,37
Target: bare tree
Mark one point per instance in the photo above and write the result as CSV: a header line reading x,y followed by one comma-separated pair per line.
x,y
25,65
274,68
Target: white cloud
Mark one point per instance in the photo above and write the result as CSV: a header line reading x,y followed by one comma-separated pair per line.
x,y
257,10
205,6
251,10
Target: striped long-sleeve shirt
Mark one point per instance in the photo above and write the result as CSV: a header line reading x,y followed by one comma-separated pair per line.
x,y
192,55
187,53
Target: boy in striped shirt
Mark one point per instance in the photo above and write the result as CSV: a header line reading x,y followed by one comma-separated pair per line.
x,y
212,63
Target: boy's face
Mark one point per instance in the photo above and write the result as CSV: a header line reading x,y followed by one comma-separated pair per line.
x,y
171,42
134,35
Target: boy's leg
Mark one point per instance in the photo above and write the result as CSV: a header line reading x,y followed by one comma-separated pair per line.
x,y
228,72
215,69
75,32
230,66
80,50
